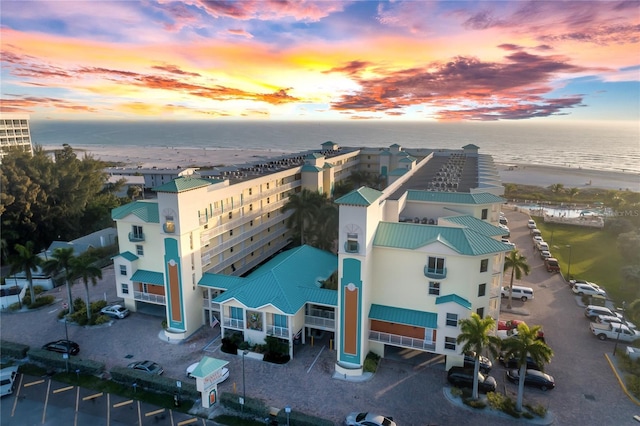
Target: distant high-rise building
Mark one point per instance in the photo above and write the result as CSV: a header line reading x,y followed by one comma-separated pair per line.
x,y
14,134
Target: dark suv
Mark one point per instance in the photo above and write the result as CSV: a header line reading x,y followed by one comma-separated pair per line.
x,y
463,378
511,362
63,347
470,362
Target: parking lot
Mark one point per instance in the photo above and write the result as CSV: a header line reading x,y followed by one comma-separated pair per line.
x,y
408,385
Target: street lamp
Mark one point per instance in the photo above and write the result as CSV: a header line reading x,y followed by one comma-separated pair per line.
x,y
615,347
569,267
244,390
66,334
287,410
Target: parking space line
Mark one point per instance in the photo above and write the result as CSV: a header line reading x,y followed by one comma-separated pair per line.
x,y
62,389
187,422
46,401
316,359
139,414
95,395
75,419
153,413
108,409
15,401
37,382
120,404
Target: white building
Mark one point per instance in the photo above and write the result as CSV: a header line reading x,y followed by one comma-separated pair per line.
x,y
15,134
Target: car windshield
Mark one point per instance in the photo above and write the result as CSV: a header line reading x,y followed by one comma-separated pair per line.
x,y
361,417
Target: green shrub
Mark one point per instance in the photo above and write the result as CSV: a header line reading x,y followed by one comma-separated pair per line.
x,y
502,403
42,301
101,319
243,346
164,324
633,384
79,316
252,406
153,383
371,362
13,350
301,419
457,392
78,304
474,403
62,313
527,415
97,305
538,410
53,360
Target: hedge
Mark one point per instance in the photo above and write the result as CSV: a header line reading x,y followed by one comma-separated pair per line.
x,y
13,350
252,406
54,360
150,382
301,419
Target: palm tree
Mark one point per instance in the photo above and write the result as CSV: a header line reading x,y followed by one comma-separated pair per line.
x,y
61,262
557,188
475,333
83,267
518,264
573,192
526,343
303,204
28,261
325,228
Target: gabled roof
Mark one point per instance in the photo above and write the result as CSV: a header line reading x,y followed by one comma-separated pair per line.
x,y
148,277
185,183
471,146
313,156
362,196
476,224
455,299
310,168
403,316
207,366
287,281
412,236
147,211
453,197
127,255
398,172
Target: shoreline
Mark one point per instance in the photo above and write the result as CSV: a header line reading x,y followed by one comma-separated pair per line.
x,y
169,157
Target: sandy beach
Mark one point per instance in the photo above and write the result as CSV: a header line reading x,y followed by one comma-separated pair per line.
x,y
173,157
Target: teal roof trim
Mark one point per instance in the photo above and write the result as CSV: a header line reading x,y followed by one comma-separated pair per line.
x,y
412,236
403,316
207,366
148,277
288,281
453,197
475,224
455,299
310,168
471,146
144,210
221,281
362,196
398,172
327,143
185,183
313,156
127,255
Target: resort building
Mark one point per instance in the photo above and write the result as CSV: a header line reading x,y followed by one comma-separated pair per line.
x,y
413,258
15,134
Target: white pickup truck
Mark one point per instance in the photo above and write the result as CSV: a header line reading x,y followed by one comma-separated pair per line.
x,y
614,331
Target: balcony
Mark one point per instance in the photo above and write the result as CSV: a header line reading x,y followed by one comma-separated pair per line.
x,y
403,341
136,236
149,297
237,324
435,273
274,330
320,318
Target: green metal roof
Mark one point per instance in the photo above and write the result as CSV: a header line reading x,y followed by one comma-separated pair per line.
x,y
310,168
327,143
476,224
148,277
414,235
453,197
313,156
471,146
455,299
185,183
362,196
385,152
398,172
407,159
287,281
403,316
207,366
127,255
145,210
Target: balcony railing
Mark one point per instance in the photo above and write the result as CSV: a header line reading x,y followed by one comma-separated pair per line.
x,y
404,341
320,322
238,324
435,273
274,330
136,236
149,297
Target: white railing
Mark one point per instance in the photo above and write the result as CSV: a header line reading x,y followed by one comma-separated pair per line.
x,y
234,323
323,313
149,297
322,322
274,330
396,340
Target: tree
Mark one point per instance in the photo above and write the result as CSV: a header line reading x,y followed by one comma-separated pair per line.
x,y
557,188
475,334
303,204
325,229
83,267
526,343
61,262
573,192
28,261
518,265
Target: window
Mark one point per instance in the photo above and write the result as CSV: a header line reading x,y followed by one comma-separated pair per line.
x,y
436,265
267,185
231,249
452,320
250,190
250,207
482,289
267,200
450,343
484,265
485,213
352,243
250,223
480,312
434,288
123,270
230,215
139,250
280,320
231,233
125,288
236,313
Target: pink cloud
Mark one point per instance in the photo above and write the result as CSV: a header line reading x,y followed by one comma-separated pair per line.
x,y
302,10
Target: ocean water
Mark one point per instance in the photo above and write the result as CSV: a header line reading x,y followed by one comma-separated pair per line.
x,y
614,147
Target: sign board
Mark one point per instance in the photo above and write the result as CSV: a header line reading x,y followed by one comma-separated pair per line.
x,y
178,384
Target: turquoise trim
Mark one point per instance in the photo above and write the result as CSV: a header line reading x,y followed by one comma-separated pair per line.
x,y
455,299
171,253
351,275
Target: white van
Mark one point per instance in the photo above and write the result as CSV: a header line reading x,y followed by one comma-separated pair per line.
x,y
7,378
519,292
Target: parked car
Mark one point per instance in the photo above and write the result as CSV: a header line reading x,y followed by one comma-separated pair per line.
x,y
470,362
503,220
533,378
511,362
63,347
612,319
505,334
542,246
505,228
508,324
509,243
592,312
115,311
531,224
545,254
552,265
224,375
368,419
7,378
463,378
147,367
535,232
588,289
536,240
518,292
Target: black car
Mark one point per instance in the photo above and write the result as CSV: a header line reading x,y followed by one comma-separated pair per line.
x,y
512,362
63,347
534,378
463,378
470,362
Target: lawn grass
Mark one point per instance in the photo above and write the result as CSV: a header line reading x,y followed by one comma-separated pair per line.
x,y
229,420
593,255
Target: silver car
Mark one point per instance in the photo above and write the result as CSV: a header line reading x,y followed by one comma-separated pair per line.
x,y
115,311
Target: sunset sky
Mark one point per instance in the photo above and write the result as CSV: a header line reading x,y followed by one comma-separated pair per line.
x,y
321,60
